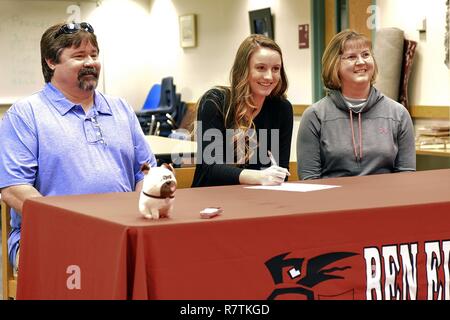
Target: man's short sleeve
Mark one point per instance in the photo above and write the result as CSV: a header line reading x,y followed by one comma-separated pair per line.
x,y
142,150
18,150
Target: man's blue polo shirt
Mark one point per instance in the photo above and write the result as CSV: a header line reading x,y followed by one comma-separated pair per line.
x,y
50,143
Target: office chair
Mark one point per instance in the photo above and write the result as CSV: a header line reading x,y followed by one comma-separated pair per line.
x,y
166,117
153,97
154,120
167,102
184,176
9,281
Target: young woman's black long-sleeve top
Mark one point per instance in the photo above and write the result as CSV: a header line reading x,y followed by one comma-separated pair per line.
x,y
276,113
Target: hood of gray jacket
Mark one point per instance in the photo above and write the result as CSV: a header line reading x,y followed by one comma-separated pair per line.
x,y
374,97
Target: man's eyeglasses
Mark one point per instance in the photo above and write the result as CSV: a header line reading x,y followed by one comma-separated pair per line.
x,y
69,28
93,132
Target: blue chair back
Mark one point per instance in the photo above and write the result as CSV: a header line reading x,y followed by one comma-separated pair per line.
x,y
165,115
153,97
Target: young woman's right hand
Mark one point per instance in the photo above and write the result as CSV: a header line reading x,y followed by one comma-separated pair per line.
x,y
271,176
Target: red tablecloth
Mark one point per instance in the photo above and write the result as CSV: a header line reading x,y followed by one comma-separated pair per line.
x,y
375,237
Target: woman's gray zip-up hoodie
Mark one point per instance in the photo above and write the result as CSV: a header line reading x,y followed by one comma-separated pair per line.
x,y
334,141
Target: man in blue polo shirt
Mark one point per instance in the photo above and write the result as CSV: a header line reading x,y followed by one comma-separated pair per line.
x,y
68,138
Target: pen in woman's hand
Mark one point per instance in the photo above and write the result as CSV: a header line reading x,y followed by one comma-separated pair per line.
x,y
272,159
274,162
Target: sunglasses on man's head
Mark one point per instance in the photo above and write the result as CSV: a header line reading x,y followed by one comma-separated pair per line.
x,y
69,28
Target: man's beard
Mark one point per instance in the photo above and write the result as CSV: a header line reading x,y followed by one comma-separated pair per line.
x,y
90,83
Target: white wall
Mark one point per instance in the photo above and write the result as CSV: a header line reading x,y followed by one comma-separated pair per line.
x,y
22,23
139,42
430,78
126,44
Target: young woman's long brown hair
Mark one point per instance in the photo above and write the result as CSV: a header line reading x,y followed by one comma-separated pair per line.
x,y
238,96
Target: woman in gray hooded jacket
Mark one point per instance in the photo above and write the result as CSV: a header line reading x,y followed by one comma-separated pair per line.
x,y
355,130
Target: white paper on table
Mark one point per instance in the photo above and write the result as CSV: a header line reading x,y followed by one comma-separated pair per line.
x,y
295,187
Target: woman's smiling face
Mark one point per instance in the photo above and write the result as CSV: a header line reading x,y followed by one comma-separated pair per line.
x,y
264,72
